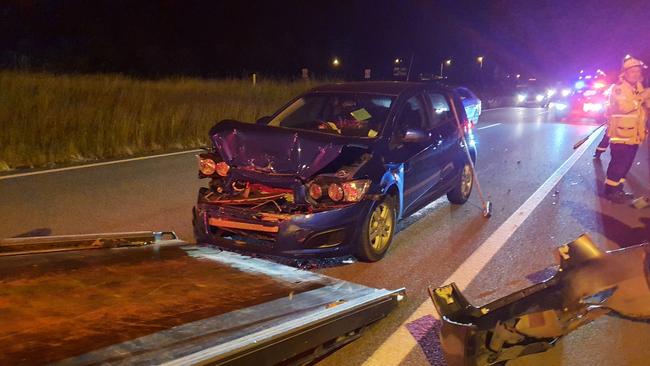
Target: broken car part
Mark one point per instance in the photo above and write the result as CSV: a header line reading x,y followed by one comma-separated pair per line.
x,y
588,284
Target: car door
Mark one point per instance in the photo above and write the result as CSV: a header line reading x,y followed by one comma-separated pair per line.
x,y
446,137
421,171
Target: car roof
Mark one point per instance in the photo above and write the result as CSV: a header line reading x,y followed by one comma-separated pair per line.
x,y
377,87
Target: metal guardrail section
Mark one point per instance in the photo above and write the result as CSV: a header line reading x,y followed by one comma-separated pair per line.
x,y
59,243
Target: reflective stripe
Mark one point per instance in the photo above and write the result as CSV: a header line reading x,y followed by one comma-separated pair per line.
x,y
601,149
622,180
612,183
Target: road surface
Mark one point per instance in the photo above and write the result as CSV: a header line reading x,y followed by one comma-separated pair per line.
x,y
544,195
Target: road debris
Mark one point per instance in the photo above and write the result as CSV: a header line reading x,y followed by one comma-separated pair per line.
x,y
589,283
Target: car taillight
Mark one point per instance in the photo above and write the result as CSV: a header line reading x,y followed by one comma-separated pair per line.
x,y
355,190
207,166
222,168
335,192
467,126
315,191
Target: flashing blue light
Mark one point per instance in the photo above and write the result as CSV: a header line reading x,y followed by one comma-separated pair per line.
x,y
580,84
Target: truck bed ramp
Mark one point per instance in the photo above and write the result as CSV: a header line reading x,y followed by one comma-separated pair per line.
x,y
148,298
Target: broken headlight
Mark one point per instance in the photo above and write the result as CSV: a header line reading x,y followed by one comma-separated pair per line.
x,y
208,166
351,191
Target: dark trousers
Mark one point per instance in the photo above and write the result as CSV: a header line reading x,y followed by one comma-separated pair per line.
x,y
622,160
604,143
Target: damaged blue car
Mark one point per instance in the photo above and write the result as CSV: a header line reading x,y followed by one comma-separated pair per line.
x,y
332,172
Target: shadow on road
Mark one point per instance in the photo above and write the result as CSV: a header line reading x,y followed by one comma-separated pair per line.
x,y
610,227
35,232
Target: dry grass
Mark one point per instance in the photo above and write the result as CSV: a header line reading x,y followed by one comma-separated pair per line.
x,y
48,119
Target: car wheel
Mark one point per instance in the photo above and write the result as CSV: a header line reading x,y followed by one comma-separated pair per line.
x,y
461,192
377,232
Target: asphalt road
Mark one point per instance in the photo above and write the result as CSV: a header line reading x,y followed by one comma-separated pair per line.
x,y
519,150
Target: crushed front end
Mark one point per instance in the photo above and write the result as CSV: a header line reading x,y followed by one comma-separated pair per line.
x,y
279,198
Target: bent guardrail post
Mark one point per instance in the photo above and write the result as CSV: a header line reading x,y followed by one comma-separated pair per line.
x,y
588,284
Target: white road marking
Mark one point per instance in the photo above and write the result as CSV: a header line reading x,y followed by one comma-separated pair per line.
x,y
489,126
97,164
496,108
394,349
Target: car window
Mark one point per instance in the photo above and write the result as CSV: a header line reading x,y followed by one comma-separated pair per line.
x,y
412,115
347,114
464,93
440,109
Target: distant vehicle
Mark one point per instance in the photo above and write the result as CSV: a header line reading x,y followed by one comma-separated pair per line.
x,y
589,101
330,173
532,96
471,103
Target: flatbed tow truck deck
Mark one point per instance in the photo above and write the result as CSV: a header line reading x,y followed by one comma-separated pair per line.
x,y
135,298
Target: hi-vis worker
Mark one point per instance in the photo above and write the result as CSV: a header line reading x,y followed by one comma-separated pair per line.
x,y
626,126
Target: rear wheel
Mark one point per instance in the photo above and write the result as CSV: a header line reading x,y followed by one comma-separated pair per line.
x,y
377,232
463,189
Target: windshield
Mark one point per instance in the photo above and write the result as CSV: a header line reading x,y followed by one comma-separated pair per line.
x,y
346,114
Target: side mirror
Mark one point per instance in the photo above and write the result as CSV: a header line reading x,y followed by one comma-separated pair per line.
x,y
415,135
263,120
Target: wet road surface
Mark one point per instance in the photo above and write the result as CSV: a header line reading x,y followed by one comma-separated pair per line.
x,y
519,150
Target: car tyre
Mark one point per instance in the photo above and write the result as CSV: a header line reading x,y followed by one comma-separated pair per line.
x,y
377,231
463,189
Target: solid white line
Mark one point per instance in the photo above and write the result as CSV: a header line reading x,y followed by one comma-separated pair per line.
x,y
401,342
97,164
489,126
496,108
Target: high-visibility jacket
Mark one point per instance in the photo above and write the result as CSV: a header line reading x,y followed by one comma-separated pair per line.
x,y
627,114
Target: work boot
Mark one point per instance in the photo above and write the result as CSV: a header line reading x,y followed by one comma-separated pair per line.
x,y
617,194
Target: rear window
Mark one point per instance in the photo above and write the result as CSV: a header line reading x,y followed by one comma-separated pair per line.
x,y
464,93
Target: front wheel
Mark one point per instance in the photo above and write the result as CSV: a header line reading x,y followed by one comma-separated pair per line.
x,y
463,189
377,232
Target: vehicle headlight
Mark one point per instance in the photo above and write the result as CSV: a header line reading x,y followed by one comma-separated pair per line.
x,y
566,92
222,168
355,190
351,191
207,166
559,106
521,97
315,191
335,192
539,97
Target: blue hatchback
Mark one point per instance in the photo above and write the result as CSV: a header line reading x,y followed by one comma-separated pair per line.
x,y
332,171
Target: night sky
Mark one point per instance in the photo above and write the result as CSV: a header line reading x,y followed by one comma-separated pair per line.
x,y
163,38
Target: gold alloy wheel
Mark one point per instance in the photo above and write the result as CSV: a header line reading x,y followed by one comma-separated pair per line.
x,y
466,181
381,227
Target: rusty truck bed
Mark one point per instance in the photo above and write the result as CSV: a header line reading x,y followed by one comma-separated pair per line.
x,y
156,303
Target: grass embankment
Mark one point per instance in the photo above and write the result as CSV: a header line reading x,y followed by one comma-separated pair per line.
x,y
48,119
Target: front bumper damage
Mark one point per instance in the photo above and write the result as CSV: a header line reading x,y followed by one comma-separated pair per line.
x,y
249,227
588,284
